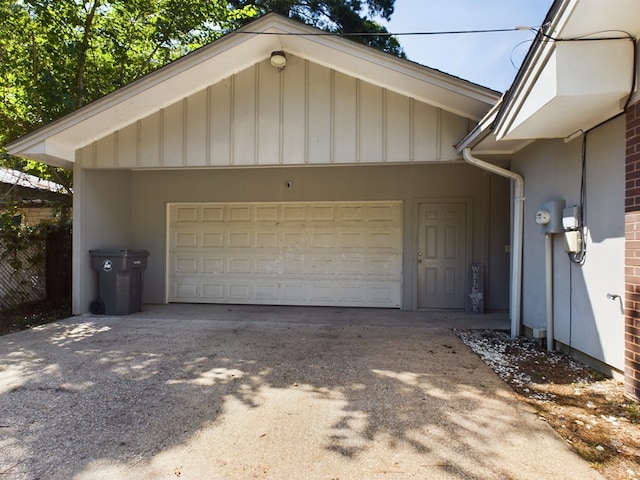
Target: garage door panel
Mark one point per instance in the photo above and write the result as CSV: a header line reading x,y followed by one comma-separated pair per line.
x,y
323,293
239,239
294,213
316,253
351,240
325,213
185,265
186,240
294,293
381,240
212,239
322,265
212,214
267,266
350,213
351,266
267,292
213,265
239,265
351,293
266,239
212,291
186,291
294,265
186,214
323,240
266,213
239,213
239,292
383,266
383,213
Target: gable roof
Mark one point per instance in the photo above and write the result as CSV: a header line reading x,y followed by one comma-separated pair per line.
x,y
57,142
579,72
21,179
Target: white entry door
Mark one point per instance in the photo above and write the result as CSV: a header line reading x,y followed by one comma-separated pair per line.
x,y
441,254
312,253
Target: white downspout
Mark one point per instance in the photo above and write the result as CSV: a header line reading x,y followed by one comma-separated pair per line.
x,y
518,232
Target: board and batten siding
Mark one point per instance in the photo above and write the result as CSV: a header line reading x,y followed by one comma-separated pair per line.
x,y
306,114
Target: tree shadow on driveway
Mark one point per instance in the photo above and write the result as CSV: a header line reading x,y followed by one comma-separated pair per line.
x,y
139,397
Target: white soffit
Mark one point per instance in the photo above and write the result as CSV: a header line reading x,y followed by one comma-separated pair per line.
x,y
574,84
57,142
582,84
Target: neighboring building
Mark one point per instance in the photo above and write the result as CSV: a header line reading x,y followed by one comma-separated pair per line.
x,y
37,200
332,181
30,201
570,126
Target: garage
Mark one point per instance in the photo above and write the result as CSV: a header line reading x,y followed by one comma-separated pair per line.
x,y
286,253
249,184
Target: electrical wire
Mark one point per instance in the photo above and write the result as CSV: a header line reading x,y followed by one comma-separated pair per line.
x,y
581,257
383,34
585,37
513,64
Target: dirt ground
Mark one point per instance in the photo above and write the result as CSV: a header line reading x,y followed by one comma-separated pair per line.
x,y
589,411
31,315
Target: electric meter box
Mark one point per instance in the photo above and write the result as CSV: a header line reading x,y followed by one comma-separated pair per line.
x,y
571,218
554,209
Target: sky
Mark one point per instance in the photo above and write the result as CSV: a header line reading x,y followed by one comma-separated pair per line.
x,y
486,59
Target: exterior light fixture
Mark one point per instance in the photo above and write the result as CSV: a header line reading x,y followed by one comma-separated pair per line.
x,y
279,59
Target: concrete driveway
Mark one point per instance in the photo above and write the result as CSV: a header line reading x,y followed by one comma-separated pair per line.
x,y
227,392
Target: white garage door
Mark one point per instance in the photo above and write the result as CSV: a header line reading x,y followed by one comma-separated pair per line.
x,y
347,254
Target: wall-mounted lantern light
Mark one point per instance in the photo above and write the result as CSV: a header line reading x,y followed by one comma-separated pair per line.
x,y
279,59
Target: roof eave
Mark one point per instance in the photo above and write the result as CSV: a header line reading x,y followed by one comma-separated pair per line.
x,y
46,143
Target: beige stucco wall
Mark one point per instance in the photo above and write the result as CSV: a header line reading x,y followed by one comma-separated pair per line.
x,y
127,209
585,318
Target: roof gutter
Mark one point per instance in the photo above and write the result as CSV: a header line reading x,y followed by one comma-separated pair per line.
x,y
517,235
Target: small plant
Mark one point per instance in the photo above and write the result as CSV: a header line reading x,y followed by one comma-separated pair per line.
x,y
632,411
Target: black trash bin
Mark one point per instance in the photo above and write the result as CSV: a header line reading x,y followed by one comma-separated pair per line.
x,y
120,275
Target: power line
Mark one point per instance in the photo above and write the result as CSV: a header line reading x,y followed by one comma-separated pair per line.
x,y
384,34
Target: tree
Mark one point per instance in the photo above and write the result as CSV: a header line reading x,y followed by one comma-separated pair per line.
x,y
338,16
58,55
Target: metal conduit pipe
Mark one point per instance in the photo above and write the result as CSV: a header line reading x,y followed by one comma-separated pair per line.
x,y
549,289
518,232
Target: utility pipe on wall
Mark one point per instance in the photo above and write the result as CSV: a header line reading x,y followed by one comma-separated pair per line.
x,y
549,288
518,232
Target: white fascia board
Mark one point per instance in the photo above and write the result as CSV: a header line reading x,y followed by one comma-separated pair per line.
x,y
531,69
45,151
592,70
582,84
481,130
